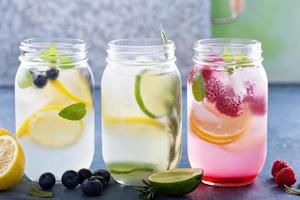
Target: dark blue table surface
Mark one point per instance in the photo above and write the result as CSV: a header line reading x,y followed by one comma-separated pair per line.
x,y
283,143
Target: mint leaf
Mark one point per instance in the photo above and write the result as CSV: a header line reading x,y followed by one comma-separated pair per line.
x,y
66,63
163,35
233,61
73,112
24,78
39,193
227,56
198,87
50,54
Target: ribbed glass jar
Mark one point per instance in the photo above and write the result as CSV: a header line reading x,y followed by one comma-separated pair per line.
x,y
227,101
54,74
141,109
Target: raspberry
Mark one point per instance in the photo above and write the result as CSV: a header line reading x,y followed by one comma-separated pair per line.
x,y
214,88
206,72
277,166
285,176
229,103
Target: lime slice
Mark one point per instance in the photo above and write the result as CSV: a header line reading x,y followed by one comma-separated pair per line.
x,y
154,93
176,181
45,127
125,168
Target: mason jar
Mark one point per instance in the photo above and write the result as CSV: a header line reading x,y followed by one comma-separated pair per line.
x,y
141,109
54,106
227,101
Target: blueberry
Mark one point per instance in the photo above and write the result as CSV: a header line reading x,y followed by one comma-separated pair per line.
x,y
47,181
52,73
100,178
104,173
70,179
40,80
92,187
84,174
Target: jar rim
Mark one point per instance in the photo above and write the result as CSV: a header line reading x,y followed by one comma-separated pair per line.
x,y
235,43
40,41
140,43
138,52
72,49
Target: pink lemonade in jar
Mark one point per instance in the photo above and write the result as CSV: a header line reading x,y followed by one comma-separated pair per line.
x,y
227,111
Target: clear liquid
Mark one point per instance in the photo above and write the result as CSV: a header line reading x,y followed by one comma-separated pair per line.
x,y
135,144
60,145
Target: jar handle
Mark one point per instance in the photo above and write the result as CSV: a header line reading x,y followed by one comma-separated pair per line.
x,y
236,7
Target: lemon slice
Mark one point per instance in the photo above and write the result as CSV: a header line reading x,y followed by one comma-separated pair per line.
x,y
60,87
222,129
12,161
133,121
48,129
176,181
154,93
71,86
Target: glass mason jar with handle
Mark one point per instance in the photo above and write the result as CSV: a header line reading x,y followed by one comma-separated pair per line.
x,y
141,109
54,106
227,111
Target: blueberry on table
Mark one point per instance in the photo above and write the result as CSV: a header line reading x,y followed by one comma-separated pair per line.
x,y
52,73
100,178
104,173
40,80
84,174
47,181
92,187
70,179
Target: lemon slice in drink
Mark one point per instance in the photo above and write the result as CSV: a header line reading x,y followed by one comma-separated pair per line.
x,y
176,181
220,129
143,121
73,86
12,161
47,128
154,93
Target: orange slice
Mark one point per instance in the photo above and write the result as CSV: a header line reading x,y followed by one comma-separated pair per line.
x,y
212,126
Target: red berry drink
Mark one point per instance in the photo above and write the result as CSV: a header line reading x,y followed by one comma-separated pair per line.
x,y
227,111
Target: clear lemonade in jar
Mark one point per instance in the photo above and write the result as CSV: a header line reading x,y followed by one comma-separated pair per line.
x,y
227,111
54,106
141,109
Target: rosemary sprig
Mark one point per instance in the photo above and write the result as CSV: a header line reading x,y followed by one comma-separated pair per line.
x,y
39,193
163,35
292,190
147,192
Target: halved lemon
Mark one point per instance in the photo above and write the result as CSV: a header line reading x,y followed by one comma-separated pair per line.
x,y
12,161
4,132
48,129
154,93
210,125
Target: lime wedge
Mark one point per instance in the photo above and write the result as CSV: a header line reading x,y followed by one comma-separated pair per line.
x,y
154,93
125,168
176,181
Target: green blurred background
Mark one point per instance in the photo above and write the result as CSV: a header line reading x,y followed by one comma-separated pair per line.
x,y
276,24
